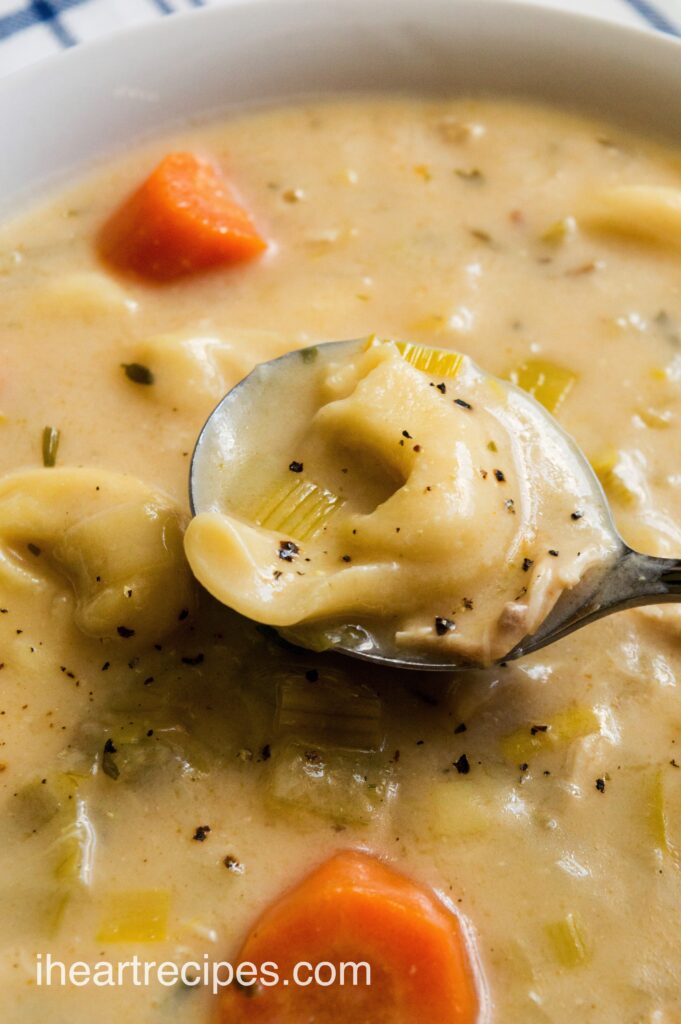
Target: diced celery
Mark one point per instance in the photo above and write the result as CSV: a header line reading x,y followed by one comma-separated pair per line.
x,y
559,231
459,808
656,419
423,171
140,758
560,730
54,910
142,746
57,810
568,941
665,810
618,475
37,803
329,709
549,383
297,507
75,847
436,362
343,787
135,916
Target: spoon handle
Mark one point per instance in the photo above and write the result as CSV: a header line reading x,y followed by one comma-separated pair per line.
x,y
632,581
642,579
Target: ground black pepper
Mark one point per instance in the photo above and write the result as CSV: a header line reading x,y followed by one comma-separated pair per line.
x,y
443,626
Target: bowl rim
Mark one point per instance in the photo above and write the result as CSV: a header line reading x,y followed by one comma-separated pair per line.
x,y
57,132
168,25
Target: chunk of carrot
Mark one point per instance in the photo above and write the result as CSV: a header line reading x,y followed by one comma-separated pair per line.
x,y
354,909
183,218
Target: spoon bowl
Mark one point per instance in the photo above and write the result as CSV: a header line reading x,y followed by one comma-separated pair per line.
x,y
228,439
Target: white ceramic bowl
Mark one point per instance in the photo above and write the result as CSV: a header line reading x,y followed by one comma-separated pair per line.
x,y
70,110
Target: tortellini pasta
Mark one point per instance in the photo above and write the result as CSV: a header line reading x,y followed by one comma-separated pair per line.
x,y
651,212
193,371
86,295
114,539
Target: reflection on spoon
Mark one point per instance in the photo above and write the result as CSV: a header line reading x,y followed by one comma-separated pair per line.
x,y
397,503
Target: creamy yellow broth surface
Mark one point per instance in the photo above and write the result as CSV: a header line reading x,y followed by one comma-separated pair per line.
x,y
542,799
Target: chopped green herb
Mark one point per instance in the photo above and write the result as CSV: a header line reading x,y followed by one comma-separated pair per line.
x,y
475,175
138,373
308,355
196,660
109,766
51,436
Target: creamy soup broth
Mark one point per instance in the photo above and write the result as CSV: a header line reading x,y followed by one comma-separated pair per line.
x,y
424,220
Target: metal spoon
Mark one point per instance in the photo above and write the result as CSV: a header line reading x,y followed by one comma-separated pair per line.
x,y
629,580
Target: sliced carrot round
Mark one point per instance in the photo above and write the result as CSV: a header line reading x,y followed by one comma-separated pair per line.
x,y
354,909
183,218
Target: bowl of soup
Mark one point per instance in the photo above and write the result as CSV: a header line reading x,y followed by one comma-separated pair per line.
x,y
202,820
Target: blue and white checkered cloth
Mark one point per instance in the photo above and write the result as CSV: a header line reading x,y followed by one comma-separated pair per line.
x,y
31,29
